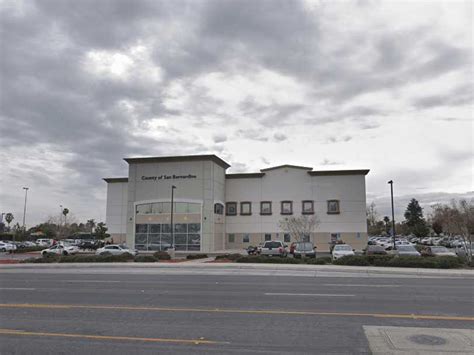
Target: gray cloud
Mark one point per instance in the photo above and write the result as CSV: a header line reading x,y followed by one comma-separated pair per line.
x,y
55,112
280,137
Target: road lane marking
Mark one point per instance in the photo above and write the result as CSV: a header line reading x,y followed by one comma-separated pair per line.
x,y
109,337
91,281
360,285
18,288
241,311
308,294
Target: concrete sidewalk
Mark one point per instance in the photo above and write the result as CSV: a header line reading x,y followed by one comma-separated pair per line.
x,y
201,264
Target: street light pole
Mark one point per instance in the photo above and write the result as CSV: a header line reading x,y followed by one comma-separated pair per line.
x,y
393,214
172,211
24,210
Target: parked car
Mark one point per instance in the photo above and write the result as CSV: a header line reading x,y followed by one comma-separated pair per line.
x,y
274,248
405,250
306,249
115,249
375,250
4,246
341,250
462,248
60,249
437,251
44,242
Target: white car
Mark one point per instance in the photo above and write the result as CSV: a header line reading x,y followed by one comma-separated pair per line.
x,y
341,250
59,249
7,246
115,250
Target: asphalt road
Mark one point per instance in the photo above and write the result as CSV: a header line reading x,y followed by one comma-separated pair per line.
x,y
78,311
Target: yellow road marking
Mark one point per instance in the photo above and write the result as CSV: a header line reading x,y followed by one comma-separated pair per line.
x,y
109,337
241,311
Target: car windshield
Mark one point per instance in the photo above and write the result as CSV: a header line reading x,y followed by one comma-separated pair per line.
x,y
343,247
406,248
439,249
304,246
272,245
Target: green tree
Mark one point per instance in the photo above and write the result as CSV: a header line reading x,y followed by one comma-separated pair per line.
x,y
386,220
65,213
414,219
90,225
101,231
9,218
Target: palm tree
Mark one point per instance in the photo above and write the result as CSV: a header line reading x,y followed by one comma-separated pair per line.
x,y
9,218
65,212
387,221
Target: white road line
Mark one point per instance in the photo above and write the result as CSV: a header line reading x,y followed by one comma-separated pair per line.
x,y
18,288
87,281
360,285
308,294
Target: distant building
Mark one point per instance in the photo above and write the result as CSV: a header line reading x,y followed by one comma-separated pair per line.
x,y
216,211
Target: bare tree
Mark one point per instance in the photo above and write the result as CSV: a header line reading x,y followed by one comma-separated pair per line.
x,y
299,227
457,219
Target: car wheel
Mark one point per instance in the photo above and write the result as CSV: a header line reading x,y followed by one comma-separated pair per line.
x,y
65,253
4,250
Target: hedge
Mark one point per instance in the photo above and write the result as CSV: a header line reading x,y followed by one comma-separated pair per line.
x,y
196,256
81,259
232,257
28,249
267,260
145,259
443,262
162,255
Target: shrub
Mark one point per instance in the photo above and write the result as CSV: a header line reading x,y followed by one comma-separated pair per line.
x,y
353,260
145,259
267,260
162,255
96,258
318,261
196,256
52,259
232,257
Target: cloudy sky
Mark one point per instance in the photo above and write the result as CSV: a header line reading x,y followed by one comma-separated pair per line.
x,y
329,84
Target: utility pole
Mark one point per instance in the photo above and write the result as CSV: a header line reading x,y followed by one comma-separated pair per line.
x,y
393,214
24,211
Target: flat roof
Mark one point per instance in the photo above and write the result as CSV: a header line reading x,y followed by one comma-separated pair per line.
x,y
244,175
338,172
119,179
211,157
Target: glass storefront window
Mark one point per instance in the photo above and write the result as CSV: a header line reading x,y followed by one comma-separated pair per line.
x,y
181,207
194,208
141,228
166,228
144,209
157,208
194,228
155,228
180,228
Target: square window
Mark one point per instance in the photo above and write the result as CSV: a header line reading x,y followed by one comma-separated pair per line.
x,y
306,238
308,207
286,237
218,208
246,238
333,207
245,208
286,207
268,237
180,228
231,238
194,227
231,208
265,208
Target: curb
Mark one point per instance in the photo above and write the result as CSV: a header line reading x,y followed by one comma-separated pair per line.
x,y
234,266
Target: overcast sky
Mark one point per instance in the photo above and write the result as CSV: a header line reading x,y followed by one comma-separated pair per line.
x,y
329,84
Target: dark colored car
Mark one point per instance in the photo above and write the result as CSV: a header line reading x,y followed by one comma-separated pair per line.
x,y
375,250
305,249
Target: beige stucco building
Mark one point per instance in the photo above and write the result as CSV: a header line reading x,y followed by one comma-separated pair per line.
x,y
215,211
